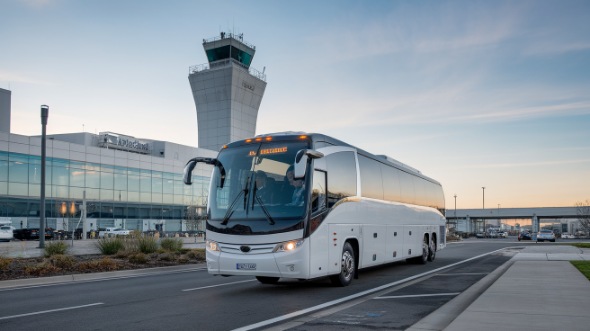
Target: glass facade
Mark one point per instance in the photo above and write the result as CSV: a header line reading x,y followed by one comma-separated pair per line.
x,y
112,192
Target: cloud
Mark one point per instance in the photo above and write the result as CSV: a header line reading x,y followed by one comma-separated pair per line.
x,y
20,78
37,4
523,164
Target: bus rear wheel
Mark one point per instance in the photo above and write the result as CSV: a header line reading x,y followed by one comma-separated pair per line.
x,y
347,267
267,280
432,249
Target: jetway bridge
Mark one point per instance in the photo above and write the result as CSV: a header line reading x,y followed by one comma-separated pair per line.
x,y
470,218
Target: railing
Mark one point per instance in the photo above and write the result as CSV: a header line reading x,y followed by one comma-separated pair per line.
x,y
223,35
225,63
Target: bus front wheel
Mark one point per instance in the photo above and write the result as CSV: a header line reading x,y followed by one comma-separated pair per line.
x,y
347,267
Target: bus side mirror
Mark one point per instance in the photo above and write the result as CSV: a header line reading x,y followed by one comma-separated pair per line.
x,y
192,163
302,159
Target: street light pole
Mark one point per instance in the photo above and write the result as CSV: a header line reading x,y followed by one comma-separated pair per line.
x,y
455,211
483,204
44,115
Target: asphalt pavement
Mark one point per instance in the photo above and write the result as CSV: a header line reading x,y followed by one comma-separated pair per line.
x,y
536,289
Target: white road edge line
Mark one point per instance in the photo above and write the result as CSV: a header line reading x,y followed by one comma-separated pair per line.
x,y
354,296
218,285
417,296
51,311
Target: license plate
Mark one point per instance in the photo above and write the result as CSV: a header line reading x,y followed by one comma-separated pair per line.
x,y
246,266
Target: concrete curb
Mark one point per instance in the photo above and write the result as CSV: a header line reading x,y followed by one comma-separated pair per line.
x,y
444,316
55,280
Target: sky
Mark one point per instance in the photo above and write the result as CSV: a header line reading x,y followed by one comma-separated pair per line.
x,y
474,94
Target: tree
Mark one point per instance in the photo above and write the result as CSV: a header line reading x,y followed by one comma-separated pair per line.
x,y
583,212
194,217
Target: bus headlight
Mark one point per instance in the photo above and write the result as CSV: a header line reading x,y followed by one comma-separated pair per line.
x,y
288,246
212,246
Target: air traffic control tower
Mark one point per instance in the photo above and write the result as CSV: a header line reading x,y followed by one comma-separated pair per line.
x,y
227,91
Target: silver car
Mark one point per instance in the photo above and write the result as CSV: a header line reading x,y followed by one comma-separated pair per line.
x,y
6,233
546,235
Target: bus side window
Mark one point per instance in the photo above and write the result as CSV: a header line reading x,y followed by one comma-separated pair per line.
x,y
318,194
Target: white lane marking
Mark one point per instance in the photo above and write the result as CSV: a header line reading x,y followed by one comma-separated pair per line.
x,y
218,285
354,296
51,311
417,296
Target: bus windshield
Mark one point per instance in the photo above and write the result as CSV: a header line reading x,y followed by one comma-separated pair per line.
x,y
258,194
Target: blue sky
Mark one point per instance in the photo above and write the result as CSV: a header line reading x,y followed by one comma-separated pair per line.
x,y
472,93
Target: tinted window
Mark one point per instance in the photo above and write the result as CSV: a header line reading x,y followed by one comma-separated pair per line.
x,y
391,183
371,181
341,176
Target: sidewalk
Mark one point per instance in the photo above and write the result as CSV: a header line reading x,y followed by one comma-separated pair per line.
x,y
31,248
538,289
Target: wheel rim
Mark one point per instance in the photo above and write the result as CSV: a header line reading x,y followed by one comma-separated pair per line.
x,y
424,249
347,265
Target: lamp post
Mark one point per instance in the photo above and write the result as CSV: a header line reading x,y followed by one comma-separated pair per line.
x,y
44,116
63,210
455,211
483,206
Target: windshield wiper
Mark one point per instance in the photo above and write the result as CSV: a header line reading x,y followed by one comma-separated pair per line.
x,y
261,203
262,206
231,209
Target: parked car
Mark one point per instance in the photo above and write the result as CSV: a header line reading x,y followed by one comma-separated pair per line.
x,y
546,235
502,234
567,236
480,235
525,235
31,234
6,233
113,232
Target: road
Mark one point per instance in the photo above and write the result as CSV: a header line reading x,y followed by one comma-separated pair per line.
x,y
387,297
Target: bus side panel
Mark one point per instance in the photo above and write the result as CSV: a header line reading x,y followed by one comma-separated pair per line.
x,y
373,245
413,235
319,245
395,243
338,234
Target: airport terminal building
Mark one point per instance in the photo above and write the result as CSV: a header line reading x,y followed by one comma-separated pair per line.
x,y
129,182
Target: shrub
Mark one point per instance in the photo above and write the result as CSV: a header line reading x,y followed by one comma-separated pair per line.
x,y
41,269
147,245
5,263
197,254
183,259
171,244
166,257
62,261
55,248
110,246
104,264
138,258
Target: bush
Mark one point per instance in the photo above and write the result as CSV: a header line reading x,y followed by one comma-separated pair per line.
x,y
4,263
55,248
147,245
110,246
41,269
62,261
104,264
197,254
166,257
138,258
171,244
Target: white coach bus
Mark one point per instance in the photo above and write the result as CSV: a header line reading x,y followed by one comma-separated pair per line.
x,y
303,206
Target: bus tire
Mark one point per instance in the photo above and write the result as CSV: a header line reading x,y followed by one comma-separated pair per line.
x,y
432,249
267,280
347,267
422,259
